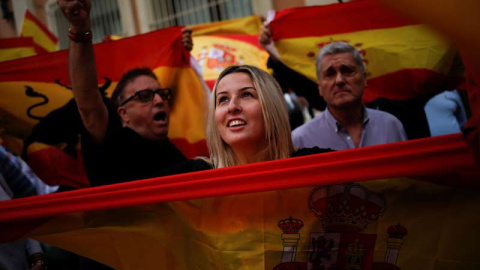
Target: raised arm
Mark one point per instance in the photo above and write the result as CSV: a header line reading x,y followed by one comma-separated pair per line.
x,y
187,40
83,73
265,40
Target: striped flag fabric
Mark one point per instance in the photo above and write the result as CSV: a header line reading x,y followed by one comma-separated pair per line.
x,y
323,211
221,44
232,42
13,48
44,40
464,16
248,25
32,88
404,59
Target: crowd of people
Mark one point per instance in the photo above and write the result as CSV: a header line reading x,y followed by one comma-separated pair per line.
x,y
125,138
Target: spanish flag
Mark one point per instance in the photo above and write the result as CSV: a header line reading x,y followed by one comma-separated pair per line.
x,y
13,48
44,39
406,205
232,42
35,91
221,44
464,16
404,58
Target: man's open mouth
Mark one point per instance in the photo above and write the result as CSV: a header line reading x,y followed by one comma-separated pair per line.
x,y
160,116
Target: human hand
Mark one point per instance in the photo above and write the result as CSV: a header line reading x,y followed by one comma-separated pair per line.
x,y
77,12
187,38
265,37
37,262
265,40
38,267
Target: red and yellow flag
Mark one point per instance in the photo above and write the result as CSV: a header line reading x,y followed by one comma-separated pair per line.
x,y
464,16
248,26
225,43
221,44
284,214
44,40
404,59
13,48
32,88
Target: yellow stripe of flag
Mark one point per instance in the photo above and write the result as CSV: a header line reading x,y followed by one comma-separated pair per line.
x,y
14,53
248,25
186,118
381,49
32,27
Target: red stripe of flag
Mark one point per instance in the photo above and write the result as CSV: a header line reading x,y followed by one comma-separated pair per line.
x,y
431,156
362,15
39,49
17,42
420,82
190,149
50,35
145,50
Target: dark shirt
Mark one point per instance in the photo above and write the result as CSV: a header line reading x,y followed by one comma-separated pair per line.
x,y
410,112
301,85
198,164
125,155
310,151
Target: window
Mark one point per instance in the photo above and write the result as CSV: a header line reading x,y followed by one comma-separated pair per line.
x,y
115,17
165,13
105,18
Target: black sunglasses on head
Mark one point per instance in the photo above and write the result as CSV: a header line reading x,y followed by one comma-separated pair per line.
x,y
147,95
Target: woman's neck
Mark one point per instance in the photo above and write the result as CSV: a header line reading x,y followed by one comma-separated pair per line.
x,y
247,155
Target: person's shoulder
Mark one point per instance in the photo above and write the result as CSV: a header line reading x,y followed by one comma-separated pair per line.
x,y
194,165
191,165
306,127
310,151
381,115
201,164
387,121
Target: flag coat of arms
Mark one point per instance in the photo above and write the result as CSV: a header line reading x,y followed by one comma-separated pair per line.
x,y
222,44
299,213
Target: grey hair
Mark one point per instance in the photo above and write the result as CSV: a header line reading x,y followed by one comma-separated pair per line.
x,y
339,47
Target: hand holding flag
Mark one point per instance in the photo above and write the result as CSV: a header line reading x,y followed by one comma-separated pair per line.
x,y
187,38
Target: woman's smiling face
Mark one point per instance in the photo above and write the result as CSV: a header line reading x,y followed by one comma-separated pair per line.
x,y
238,113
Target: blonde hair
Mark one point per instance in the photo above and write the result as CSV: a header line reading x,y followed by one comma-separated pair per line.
x,y
275,118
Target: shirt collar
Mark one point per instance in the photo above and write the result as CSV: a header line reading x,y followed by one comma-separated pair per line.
x,y
338,126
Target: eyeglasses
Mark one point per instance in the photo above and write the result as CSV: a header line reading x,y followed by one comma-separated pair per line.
x,y
147,95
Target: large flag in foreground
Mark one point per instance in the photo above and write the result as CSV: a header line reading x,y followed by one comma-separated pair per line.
x,y
35,91
221,44
404,59
299,213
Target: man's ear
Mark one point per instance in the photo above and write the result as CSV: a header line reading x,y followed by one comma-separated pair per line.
x,y
320,90
365,78
123,115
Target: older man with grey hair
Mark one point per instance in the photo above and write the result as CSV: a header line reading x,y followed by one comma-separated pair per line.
x,y
346,123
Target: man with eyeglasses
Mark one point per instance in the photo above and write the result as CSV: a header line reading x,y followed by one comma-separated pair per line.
x,y
126,140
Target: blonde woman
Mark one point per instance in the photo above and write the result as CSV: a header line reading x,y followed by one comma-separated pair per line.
x,y
248,122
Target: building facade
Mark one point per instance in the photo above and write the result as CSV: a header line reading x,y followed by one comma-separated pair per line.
x,y
132,17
